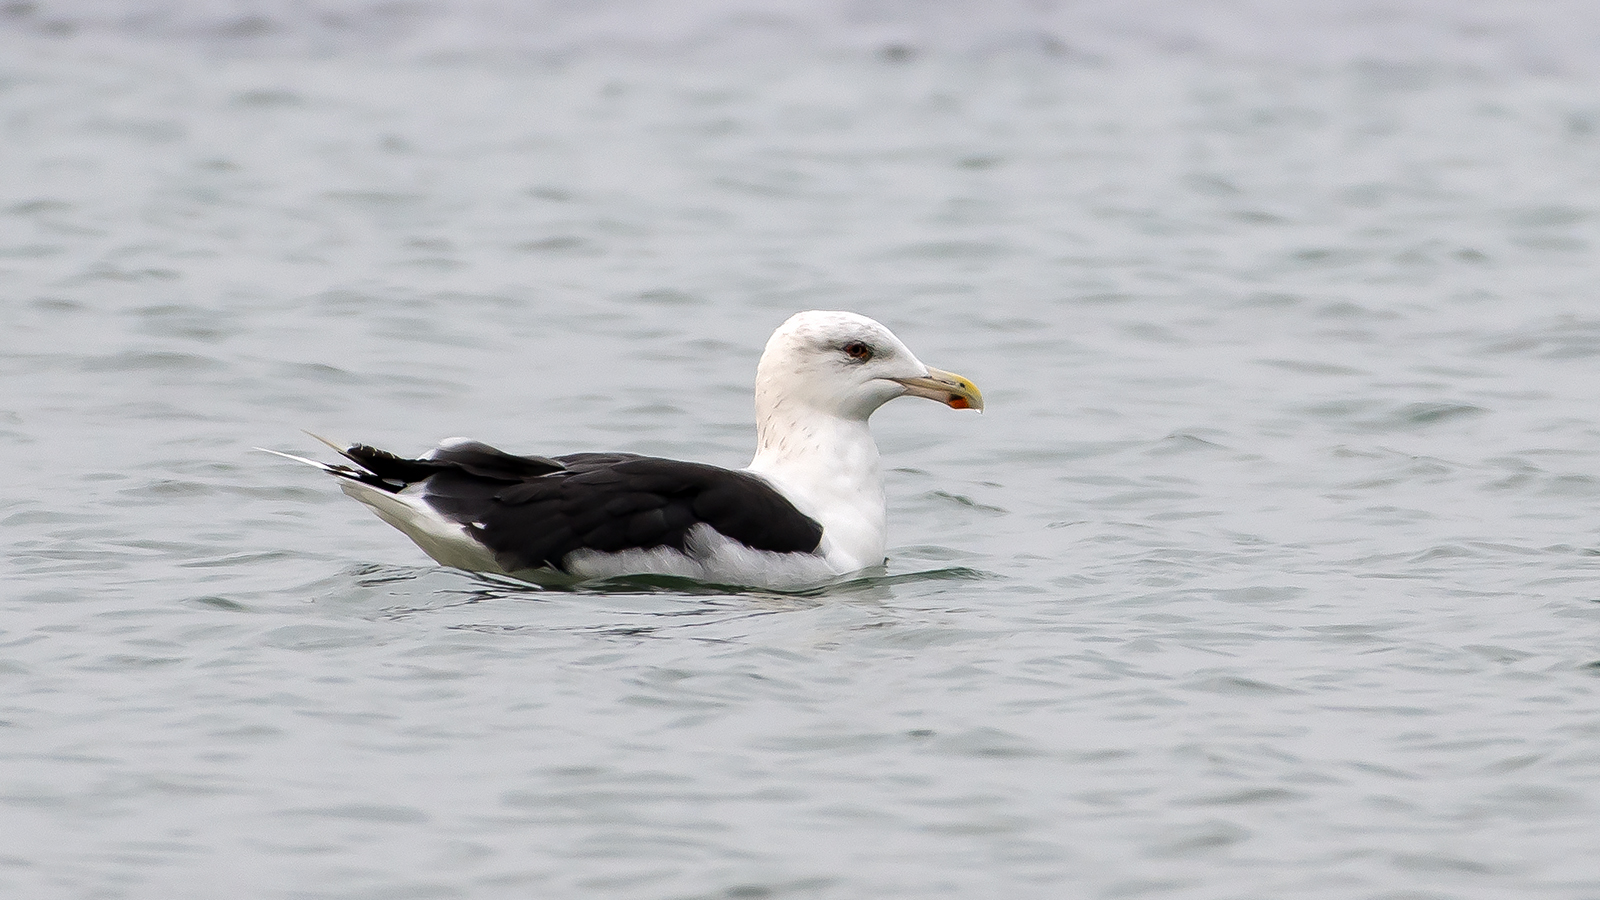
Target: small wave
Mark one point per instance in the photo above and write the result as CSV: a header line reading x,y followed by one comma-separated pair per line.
x,y
1394,43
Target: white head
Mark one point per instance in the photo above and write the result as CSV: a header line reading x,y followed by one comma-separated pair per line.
x,y
846,365
821,376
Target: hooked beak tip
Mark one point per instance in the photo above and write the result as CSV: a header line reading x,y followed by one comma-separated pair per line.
x,y
954,391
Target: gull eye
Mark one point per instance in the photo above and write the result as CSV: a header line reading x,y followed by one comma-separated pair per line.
x,y
857,351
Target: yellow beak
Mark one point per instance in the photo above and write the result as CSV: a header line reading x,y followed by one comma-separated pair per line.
x,y
946,387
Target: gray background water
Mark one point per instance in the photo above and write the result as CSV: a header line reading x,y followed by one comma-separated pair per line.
x,y
1271,570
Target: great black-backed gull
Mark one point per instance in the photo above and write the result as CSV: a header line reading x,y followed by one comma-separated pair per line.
x,y
809,508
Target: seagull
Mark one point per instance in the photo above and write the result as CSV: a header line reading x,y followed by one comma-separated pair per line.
x,y
809,508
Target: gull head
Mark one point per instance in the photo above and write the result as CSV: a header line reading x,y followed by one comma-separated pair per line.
x,y
847,365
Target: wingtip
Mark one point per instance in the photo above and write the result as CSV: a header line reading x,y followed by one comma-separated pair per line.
x,y
337,447
299,459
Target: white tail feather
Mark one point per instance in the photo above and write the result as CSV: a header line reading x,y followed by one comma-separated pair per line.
x,y
340,471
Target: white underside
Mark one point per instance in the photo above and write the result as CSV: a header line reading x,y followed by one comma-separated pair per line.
x,y
440,538
711,557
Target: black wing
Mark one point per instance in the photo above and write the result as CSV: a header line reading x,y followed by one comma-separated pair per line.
x,y
533,511
469,457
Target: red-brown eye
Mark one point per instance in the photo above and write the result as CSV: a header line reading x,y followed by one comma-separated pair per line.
x,y
858,351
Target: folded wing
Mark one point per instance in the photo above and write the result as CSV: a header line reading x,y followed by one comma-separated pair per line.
x,y
532,512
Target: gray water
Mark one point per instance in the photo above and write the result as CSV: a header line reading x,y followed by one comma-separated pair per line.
x,y
1271,571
